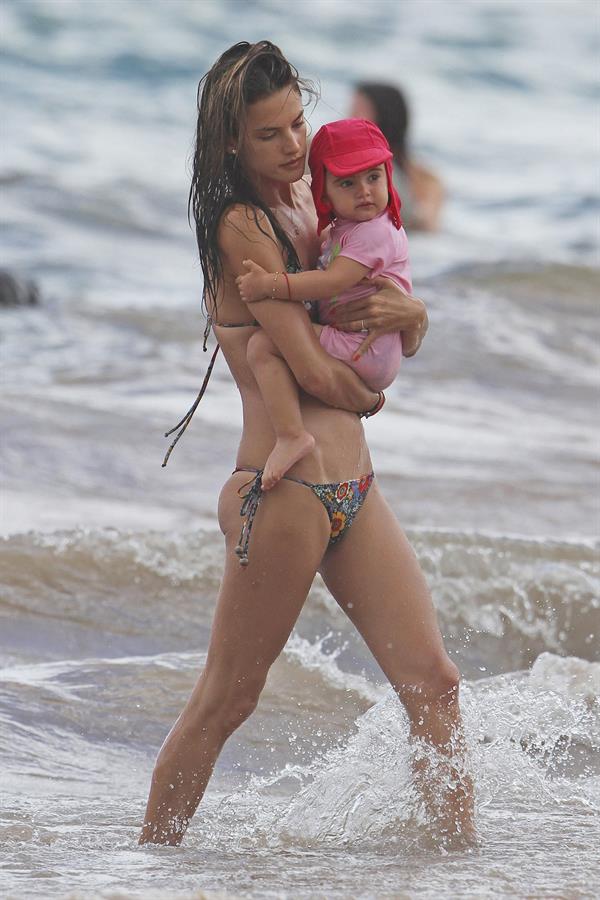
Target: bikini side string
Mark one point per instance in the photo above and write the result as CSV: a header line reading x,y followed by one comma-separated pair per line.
x,y
251,499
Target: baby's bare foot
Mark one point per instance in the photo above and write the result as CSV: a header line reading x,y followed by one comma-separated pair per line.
x,y
284,454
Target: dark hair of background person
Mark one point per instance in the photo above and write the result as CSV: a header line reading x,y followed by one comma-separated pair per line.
x,y
243,75
391,115
421,190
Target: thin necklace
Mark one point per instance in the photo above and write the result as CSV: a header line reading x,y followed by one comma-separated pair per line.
x,y
290,213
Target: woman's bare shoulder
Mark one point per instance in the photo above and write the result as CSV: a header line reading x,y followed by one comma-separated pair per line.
x,y
245,232
243,220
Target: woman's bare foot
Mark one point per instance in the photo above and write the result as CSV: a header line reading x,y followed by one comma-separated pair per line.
x,y
286,452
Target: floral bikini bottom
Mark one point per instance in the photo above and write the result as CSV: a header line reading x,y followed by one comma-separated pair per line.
x,y
342,501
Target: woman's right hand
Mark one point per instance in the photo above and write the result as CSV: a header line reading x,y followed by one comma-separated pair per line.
x,y
389,309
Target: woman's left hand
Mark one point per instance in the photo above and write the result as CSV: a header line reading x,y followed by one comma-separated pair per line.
x,y
389,309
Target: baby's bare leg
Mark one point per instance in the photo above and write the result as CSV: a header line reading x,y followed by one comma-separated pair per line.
x,y
279,391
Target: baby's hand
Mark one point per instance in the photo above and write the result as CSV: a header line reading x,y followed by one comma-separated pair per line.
x,y
255,284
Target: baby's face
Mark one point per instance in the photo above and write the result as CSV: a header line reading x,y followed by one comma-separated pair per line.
x,y
359,197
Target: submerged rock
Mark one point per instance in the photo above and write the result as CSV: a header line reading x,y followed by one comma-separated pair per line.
x,y
16,291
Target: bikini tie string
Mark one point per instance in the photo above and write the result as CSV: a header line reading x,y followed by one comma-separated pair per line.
x,y
188,416
251,499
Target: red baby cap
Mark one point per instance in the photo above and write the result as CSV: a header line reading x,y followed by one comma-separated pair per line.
x,y
344,148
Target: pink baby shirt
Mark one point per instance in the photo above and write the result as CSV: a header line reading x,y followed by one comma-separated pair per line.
x,y
383,248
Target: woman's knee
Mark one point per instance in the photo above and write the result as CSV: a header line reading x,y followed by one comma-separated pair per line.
x,y
232,699
239,706
436,681
443,680
220,703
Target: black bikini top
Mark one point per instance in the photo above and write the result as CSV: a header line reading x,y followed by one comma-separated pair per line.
x,y
291,269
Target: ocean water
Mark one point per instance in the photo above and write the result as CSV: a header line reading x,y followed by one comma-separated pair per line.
x,y
487,450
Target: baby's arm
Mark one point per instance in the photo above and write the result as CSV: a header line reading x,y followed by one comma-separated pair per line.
x,y
258,284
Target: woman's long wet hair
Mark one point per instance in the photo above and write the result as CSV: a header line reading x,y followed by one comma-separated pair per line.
x,y
391,115
240,77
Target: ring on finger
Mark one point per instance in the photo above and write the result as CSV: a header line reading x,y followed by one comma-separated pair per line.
x,y
362,325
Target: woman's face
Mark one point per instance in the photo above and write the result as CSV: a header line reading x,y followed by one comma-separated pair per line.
x,y
273,147
362,107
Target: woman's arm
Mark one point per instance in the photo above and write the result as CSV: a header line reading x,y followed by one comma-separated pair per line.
x,y
390,309
318,284
288,324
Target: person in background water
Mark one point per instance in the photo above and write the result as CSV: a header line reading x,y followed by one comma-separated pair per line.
x,y
420,190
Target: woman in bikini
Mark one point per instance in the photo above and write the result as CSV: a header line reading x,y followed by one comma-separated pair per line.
x,y
249,201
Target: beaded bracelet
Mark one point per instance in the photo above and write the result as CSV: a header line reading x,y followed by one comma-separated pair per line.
x,y
275,277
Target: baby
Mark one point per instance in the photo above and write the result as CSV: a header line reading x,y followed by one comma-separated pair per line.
x,y
350,163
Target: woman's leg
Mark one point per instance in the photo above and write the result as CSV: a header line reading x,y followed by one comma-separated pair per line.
x,y
279,391
256,611
376,579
